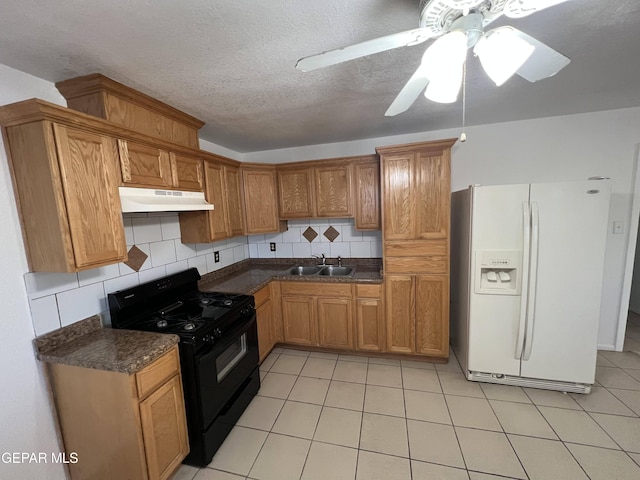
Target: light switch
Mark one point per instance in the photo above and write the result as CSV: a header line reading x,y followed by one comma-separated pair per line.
x,y
618,227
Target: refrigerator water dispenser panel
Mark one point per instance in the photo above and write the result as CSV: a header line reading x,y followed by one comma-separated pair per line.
x,y
498,272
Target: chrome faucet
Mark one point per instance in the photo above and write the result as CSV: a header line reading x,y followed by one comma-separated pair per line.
x,y
339,261
324,260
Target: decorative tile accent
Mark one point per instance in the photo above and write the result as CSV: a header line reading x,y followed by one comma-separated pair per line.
x,y
310,234
331,234
136,258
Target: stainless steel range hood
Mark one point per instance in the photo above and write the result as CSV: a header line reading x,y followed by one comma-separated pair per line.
x,y
155,200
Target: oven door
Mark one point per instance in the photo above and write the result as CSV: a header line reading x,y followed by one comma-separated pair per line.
x,y
223,367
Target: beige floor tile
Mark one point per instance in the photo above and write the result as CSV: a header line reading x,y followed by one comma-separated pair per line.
x,y
426,406
355,372
489,452
457,384
631,398
546,459
281,458
384,400
508,393
345,395
277,385
613,377
376,466
432,442
384,434
263,375
550,398
602,361
421,379
211,474
604,464
634,373
384,361
384,375
486,476
318,368
472,412
310,390
186,472
624,430
261,413
431,471
289,364
269,361
330,462
328,356
623,359
298,419
418,364
452,365
577,427
600,400
298,353
353,358
239,450
339,426
635,457
522,419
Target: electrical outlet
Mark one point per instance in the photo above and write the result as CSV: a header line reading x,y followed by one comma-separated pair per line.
x,y
216,257
618,227
272,246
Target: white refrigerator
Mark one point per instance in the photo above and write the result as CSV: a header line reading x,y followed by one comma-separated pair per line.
x,y
526,278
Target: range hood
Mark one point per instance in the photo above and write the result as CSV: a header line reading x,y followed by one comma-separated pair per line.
x,y
155,200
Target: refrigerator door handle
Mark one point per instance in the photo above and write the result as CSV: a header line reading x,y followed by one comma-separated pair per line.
x,y
524,275
533,280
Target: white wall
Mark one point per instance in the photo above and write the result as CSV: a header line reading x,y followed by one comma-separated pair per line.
x,y
565,148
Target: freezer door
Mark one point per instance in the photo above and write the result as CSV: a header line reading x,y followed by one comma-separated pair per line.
x,y
497,227
562,333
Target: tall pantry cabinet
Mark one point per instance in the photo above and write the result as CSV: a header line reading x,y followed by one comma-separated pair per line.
x,y
416,190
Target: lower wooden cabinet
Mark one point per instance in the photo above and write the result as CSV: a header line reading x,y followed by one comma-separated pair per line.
x,y
335,322
121,425
265,318
299,320
369,318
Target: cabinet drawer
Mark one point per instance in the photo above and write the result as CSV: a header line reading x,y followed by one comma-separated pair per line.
x,y
416,265
415,248
262,295
369,291
155,374
319,289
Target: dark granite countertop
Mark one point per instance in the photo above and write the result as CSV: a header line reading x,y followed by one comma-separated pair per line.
x,y
249,276
87,344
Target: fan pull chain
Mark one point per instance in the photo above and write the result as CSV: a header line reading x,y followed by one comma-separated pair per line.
x,y
463,135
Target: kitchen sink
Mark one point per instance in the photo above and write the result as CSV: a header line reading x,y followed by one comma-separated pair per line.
x,y
304,270
334,271
325,270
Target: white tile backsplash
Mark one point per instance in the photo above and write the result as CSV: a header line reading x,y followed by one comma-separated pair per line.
x,y
350,242
58,299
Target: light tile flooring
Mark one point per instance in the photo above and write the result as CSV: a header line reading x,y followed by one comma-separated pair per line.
x,y
340,417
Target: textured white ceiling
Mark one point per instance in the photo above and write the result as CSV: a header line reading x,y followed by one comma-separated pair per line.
x,y
231,63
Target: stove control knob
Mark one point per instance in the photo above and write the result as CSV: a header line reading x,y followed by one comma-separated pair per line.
x,y
209,339
246,311
217,333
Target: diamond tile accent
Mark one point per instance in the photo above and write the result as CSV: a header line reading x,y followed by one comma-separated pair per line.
x,y
136,258
310,234
331,234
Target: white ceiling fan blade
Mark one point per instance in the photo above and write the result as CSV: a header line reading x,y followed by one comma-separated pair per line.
x,y
388,42
412,90
544,61
523,8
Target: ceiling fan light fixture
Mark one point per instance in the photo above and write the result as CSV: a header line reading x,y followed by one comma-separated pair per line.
x,y
444,88
502,52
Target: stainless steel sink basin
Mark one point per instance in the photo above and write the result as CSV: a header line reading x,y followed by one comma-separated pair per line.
x,y
304,270
334,271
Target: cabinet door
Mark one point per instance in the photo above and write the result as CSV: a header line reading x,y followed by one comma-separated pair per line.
x,y
164,429
215,193
144,165
432,190
335,323
398,213
260,201
333,191
187,172
432,315
299,320
89,172
367,195
369,324
234,201
400,317
264,319
295,187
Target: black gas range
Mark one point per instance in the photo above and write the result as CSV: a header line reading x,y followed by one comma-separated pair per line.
x,y
218,350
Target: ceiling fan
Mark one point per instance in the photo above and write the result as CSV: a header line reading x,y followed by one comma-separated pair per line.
x,y
458,26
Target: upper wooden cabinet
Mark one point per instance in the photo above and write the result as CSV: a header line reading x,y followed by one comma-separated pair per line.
x,y
260,194
296,192
187,172
144,165
66,184
333,191
367,193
